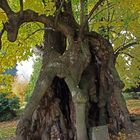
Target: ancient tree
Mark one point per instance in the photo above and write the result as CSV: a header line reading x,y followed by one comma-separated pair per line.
x,y
78,86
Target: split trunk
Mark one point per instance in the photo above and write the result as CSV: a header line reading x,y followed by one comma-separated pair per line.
x,y
78,88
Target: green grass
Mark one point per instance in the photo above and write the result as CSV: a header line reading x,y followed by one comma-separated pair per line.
x,y
7,132
127,95
7,129
131,95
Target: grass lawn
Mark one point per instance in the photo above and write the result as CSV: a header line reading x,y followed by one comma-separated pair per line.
x,y
7,129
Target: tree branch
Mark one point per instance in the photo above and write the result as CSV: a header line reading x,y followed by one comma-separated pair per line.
x,y
1,33
82,14
110,7
36,32
90,14
21,7
43,1
6,8
108,19
16,21
68,7
121,48
58,11
94,9
127,54
131,56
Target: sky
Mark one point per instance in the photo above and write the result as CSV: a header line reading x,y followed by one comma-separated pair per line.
x,y
25,68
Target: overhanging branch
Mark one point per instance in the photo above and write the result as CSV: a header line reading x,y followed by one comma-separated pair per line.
x,y
6,8
122,48
15,20
41,29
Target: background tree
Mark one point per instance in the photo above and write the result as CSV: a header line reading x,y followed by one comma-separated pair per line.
x,y
78,63
19,87
33,78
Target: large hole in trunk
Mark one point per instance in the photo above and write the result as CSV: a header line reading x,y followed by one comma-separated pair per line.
x,y
62,92
52,120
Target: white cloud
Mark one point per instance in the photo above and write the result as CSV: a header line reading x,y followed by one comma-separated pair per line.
x,y
25,68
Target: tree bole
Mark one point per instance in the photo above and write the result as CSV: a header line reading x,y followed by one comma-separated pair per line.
x,y
78,88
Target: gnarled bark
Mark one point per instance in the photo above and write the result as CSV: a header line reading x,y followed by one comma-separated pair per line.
x,y
88,80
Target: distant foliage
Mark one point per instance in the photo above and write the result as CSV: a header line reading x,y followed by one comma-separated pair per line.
x,y
12,71
8,107
19,87
131,95
127,95
33,79
5,83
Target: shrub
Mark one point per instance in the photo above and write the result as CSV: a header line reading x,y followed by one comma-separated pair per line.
x,y
8,107
127,96
131,95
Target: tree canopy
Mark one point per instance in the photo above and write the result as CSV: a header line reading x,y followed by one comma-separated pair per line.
x,y
116,20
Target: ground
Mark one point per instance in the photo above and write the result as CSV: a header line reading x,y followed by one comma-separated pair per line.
x,y
7,129
133,106
134,109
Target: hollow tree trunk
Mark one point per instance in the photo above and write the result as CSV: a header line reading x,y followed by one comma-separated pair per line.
x,y
78,88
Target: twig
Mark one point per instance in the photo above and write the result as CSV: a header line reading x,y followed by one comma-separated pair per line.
x,y
58,11
43,1
36,32
94,9
112,15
